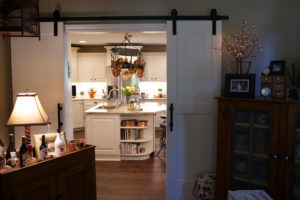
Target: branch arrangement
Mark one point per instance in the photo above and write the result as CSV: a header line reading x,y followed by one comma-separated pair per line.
x,y
241,45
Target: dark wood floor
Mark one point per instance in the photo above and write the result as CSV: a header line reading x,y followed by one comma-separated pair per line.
x,y
132,180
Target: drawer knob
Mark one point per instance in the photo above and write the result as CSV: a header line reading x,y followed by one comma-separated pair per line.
x,y
286,157
275,156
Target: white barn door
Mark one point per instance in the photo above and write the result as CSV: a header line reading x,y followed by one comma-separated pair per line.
x,y
194,80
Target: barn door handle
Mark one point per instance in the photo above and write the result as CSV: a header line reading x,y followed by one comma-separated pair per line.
x,y
171,109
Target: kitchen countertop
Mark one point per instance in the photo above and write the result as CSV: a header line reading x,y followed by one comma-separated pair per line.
x,y
78,99
147,108
154,98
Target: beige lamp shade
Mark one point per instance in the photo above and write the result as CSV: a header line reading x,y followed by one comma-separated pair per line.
x,y
27,111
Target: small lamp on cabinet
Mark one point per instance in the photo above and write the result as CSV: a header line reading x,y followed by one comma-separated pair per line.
x,y
27,112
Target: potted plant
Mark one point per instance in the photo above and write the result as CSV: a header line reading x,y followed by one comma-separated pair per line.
x,y
92,92
160,92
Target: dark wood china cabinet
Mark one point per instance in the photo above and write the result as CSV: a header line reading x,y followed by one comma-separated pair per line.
x,y
258,147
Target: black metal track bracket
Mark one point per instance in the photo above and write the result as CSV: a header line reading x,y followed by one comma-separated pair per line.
x,y
173,17
56,16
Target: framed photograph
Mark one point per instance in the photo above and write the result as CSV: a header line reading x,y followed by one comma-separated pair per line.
x,y
49,140
240,85
277,67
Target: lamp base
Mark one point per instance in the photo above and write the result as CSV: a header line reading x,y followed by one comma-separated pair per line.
x,y
27,135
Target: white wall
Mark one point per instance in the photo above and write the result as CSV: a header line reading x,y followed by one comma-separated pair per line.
x,y
38,65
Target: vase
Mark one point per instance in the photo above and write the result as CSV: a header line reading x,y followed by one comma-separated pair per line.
x,y
127,99
238,66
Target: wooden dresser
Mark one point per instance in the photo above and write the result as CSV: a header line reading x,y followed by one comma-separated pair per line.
x,y
69,177
258,147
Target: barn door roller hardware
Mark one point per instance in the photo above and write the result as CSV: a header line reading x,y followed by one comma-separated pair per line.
x,y
173,17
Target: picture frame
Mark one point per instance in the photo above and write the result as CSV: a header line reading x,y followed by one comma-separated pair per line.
x,y
49,140
277,67
240,85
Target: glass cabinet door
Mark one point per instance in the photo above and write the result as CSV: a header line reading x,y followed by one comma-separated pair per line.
x,y
251,149
296,177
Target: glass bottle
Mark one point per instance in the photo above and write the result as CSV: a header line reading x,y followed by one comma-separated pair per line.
x,y
13,161
59,145
11,146
43,149
24,154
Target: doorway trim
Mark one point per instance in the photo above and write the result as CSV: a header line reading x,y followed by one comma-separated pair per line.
x,y
82,28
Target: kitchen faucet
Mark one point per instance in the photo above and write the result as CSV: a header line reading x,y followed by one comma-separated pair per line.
x,y
109,95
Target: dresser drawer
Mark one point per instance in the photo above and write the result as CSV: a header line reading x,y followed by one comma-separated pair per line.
x,y
278,94
278,87
266,79
278,79
266,85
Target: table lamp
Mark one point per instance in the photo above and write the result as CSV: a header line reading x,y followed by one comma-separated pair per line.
x,y
27,112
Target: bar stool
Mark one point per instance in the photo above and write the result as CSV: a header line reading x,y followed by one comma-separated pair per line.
x,y
163,134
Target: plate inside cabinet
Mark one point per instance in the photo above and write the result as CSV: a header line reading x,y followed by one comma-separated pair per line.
x,y
265,91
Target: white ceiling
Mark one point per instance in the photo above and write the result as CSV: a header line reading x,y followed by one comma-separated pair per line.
x,y
102,38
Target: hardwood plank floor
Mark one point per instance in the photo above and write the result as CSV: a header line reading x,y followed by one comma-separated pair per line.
x,y
132,180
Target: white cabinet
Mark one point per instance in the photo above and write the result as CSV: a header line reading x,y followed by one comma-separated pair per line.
x,y
89,103
156,67
103,131
137,143
77,106
91,67
74,70
157,119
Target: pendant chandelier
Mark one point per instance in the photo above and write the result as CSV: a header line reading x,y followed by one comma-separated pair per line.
x,y
122,57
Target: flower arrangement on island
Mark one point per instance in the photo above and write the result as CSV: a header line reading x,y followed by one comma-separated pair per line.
x,y
241,45
127,92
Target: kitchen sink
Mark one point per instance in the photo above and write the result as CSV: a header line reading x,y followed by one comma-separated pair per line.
x,y
108,106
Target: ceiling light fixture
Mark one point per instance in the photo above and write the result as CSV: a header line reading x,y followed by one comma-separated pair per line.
x,y
82,41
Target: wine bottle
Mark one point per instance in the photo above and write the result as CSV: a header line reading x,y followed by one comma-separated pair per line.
x,y
24,154
11,146
43,149
29,148
59,145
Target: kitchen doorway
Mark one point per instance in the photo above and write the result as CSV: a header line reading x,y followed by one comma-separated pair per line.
x,y
94,40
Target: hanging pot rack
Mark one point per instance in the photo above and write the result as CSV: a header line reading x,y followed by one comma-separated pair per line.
x,y
126,48
119,59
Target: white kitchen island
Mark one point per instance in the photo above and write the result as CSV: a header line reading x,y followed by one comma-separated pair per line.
x,y
103,129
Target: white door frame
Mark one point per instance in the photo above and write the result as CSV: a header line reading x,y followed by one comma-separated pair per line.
x,y
83,28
